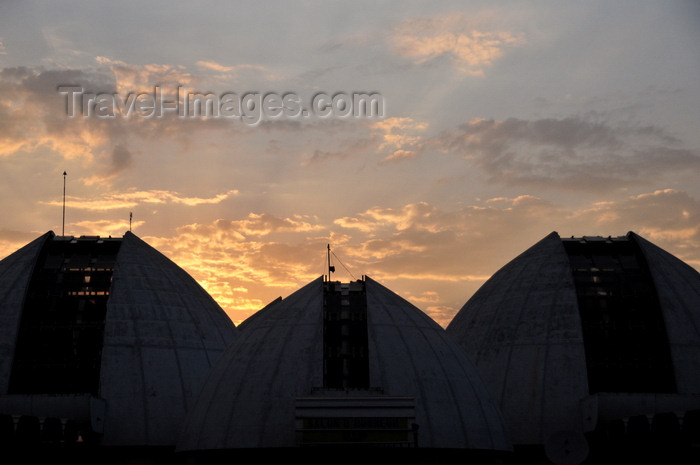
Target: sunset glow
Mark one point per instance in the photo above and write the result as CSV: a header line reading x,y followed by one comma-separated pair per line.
x,y
503,122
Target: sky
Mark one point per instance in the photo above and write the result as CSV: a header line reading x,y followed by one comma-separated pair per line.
x,y
484,127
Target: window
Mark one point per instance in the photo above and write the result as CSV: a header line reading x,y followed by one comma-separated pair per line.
x,y
624,334
345,359
59,344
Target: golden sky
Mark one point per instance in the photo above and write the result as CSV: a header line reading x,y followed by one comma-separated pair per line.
x,y
502,122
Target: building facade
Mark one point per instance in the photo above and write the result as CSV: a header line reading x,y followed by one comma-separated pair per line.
x,y
103,342
592,342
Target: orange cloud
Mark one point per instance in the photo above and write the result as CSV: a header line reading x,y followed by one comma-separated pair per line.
x,y
141,78
103,227
400,218
470,48
401,135
254,225
240,264
214,66
247,262
130,199
442,314
432,256
356,223
667,217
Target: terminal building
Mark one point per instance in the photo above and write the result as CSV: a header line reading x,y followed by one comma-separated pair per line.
x,y
344,373
581,350
591,348
104,342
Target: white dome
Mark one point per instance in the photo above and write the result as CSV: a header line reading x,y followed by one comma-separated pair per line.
x,y
258,392
575,332
107,333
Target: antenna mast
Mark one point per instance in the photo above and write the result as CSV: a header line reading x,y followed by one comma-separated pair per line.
x,y
131,214
331,268
63,223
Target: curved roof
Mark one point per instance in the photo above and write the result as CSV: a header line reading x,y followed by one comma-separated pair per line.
x,y
678,289
15,272
250,396
161,333
523,329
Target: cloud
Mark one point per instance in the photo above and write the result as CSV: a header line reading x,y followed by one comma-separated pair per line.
x,y
420,250
427,242
362,224
103,227
406,217
396,131
245,263
130,78
402,155
349,141
435,257
401,137
214,66
12,240
121,158
325,155
442,314
421,242
34,114
132,198
255,224
471,47
667,217
570,153
230,72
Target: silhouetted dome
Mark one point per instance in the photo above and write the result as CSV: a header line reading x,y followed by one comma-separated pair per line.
x,y
575,333
104,337
330,361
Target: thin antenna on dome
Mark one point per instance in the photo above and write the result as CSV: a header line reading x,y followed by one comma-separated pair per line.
x,y
63,223
131,214
331,268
